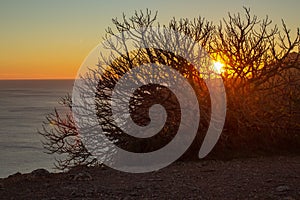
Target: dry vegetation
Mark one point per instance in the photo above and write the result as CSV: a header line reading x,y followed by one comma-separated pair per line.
x,y
262,81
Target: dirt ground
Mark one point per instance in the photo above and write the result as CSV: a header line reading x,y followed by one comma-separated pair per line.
x,y
276,177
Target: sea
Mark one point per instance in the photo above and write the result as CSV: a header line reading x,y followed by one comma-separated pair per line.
x,y
24,105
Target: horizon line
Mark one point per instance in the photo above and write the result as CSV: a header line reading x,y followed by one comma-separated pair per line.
x,y
35,79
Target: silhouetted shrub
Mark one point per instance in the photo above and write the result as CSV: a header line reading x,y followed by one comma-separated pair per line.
x,y
261,77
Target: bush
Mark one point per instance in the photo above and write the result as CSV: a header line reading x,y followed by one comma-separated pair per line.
x,y
261,77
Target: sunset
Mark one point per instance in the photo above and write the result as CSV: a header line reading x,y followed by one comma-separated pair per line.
x,y
150,99
50,40
218,67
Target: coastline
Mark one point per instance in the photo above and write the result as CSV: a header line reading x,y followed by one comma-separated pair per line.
x,y
273,177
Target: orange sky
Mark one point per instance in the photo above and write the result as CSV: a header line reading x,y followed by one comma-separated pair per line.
x,y
52,60
50,39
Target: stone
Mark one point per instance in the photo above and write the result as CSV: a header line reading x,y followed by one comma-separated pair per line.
x,y
82,176
15,175
289,198
40,172
282,188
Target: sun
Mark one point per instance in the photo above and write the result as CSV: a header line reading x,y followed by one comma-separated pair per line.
x,y
218,67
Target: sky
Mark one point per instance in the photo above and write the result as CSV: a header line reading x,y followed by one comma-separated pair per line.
x,y
50,39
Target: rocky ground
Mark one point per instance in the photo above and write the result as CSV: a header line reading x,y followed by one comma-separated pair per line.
x,y
276,177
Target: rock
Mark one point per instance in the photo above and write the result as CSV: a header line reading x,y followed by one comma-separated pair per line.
x,y
1,186
269,180
82,176
289,198
282,188
40,172
15,175
52,198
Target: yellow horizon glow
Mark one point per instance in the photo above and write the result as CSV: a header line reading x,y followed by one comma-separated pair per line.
x,y
49,40
36,62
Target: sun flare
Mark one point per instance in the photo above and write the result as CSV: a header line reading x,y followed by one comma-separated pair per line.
x,y
218,67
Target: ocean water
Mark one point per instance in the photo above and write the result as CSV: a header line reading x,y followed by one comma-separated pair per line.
x,y
23,107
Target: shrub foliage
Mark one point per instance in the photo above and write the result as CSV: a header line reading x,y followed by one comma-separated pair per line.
x,y
260,74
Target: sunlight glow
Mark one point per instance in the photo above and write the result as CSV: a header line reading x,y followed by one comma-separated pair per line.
x,y
218,67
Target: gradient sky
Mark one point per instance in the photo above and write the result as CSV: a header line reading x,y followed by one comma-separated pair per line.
x,y
42,39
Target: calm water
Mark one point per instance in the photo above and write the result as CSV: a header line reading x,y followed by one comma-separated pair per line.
x,y
23,107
